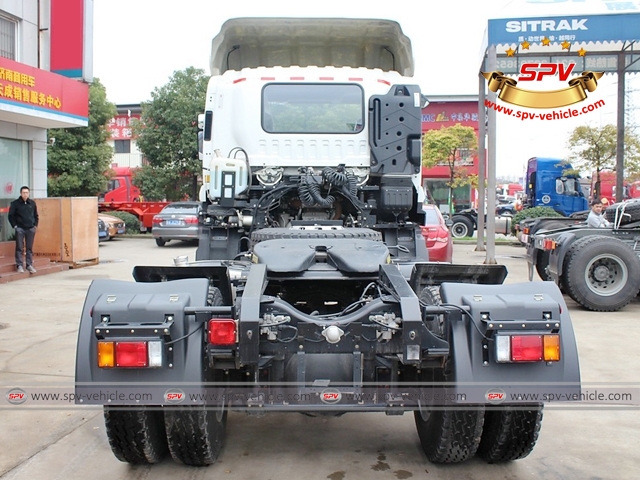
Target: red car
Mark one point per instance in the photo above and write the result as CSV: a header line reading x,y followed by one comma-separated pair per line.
x,y
437,235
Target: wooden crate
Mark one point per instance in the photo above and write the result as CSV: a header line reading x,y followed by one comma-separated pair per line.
x,y
68,229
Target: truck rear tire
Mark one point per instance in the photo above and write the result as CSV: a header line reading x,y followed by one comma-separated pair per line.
x,y
600,273
136,436
510,434
461,227
542,265
449,436
435,323
195,434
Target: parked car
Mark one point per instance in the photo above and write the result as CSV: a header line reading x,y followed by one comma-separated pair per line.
x,y
176,221
437,235
103,231
115,226
506,209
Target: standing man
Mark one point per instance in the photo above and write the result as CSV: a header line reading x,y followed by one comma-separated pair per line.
x,y
595,218
23,216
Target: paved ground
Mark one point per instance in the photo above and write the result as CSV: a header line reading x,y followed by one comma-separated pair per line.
x,y
38,330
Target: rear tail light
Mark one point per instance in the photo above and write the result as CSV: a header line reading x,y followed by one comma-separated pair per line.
x,y
106,355
525,230
130,354
222,331
191,220
157,220
549,244
527,348
443,235
551,348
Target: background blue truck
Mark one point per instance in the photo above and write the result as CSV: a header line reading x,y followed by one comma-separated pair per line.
x,y
549,184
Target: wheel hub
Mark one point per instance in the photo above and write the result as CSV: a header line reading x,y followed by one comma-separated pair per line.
x,y
601,273
606,275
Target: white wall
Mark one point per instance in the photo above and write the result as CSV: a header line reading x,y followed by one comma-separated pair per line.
x,y
26,12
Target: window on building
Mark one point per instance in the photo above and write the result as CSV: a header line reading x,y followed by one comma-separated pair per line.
x,y
122,146
8,29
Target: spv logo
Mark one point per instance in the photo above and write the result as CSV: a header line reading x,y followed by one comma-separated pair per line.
x,y
495,395
330,396
174,396
16,396
537,71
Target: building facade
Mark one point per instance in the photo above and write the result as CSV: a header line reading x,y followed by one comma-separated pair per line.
x,y
122,139
447,111
45,68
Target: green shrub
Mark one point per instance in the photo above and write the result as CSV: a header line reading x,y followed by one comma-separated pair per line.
x,y
534,212
131,221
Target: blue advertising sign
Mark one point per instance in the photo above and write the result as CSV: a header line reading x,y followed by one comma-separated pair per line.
x,y
573,28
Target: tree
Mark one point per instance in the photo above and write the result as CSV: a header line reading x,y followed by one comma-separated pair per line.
x,y
451,147
594,149
168,136
78,158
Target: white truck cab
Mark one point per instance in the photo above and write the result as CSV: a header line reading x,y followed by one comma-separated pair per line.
x,y
309,120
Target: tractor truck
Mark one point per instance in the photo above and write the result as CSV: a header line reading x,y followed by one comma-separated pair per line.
x,y
312,290
596,267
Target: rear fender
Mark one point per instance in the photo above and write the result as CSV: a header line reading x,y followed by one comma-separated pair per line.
x,y
532,258
117,310
556,258
475,370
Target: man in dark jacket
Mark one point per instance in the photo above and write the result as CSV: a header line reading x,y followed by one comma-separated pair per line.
x,y
23,216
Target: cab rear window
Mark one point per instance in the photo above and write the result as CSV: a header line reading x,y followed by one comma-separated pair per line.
x,y
312,108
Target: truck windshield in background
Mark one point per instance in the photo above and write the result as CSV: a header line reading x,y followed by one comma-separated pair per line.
x,y
568,186
312,108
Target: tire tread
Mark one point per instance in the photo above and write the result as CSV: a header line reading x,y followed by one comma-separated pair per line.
x,y
509,434
136,436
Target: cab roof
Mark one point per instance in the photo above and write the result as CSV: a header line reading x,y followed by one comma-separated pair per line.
x,y
341,42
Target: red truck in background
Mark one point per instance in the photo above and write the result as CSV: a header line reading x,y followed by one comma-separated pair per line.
x,y
123,196
120,187
608,187
509,189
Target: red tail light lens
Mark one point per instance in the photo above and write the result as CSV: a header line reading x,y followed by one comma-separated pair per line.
x,y
131,354
443,235
191,220
527,348
157,220
222,331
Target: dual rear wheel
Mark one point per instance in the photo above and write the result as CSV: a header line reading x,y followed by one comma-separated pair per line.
x,y
450,434
193,435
